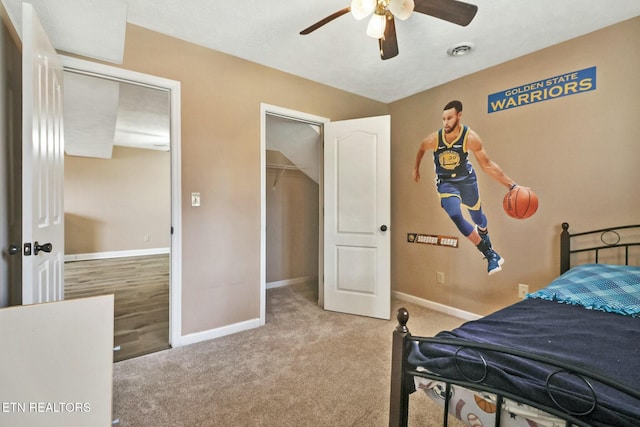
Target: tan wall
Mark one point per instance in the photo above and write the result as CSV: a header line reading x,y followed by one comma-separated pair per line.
x,y
112,204
579,153
292,223
557,147
221,98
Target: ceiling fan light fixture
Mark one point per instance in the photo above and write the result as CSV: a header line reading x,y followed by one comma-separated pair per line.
x,y
401,9
360,9
382,24
377,25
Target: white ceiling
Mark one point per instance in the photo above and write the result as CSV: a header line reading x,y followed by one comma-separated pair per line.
x,y
90,115
100,113
338,54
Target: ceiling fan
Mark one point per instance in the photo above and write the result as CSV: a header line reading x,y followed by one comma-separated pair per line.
x,y
383,13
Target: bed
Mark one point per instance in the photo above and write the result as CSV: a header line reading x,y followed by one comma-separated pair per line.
x,y
568,354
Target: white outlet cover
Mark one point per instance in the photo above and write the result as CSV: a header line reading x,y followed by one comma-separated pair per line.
x,y
523,290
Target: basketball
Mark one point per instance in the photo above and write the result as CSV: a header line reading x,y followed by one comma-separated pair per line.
x,y
484,404
520,203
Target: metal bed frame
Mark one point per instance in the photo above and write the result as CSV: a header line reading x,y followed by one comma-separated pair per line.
x,y
605,233
402,372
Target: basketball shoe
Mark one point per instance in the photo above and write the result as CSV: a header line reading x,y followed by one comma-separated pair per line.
x,y
494,261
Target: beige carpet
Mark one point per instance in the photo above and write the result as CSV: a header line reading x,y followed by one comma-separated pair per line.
x,y
305,367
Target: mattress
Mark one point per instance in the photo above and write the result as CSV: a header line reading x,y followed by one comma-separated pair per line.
x,y
604,343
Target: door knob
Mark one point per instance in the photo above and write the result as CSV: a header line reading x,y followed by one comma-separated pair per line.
x,y
383,227
46,247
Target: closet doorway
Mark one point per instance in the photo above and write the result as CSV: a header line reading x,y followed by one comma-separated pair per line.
x,y
291,252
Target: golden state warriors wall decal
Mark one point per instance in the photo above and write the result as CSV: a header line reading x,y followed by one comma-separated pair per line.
x,y
566,84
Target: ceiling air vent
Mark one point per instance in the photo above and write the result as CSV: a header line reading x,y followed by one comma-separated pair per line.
x,y
460,49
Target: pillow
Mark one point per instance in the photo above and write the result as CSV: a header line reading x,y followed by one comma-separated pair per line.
x,y
605,287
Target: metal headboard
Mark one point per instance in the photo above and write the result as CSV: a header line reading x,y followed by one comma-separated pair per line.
x,y
610,238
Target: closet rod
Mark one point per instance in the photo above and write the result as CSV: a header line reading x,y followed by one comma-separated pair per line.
x,y
282,169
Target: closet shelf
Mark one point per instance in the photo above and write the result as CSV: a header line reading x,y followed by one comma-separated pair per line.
x,y
283,167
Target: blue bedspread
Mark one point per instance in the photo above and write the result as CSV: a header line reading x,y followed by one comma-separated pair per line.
x,y
611,288
604,343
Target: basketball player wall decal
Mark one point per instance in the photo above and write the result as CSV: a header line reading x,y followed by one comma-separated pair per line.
x,y
456,180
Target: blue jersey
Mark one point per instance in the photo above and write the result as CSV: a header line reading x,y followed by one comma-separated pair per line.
x,y
451,159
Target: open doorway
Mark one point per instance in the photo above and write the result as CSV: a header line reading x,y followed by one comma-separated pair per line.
x,y
291,238
122,200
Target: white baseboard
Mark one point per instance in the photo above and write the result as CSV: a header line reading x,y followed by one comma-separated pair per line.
x,y
217,332
117,254
435,306
288,282
255,323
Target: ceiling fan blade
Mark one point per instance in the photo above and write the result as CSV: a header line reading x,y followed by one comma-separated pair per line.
x,y
453,11
389,43
324,21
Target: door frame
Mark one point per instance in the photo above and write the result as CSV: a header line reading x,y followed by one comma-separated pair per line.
x,y
173,87
272,110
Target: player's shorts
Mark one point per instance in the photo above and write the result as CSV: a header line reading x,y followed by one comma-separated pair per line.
x,y
466,189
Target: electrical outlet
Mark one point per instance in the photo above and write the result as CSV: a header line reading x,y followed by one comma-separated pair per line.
x,y
523,290
440,277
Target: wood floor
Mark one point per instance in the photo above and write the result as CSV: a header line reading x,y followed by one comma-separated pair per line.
x,y
141,296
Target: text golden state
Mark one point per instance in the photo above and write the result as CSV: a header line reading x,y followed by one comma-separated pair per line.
x,y
543,90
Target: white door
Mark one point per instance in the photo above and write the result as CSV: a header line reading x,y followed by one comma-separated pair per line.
x,y
42,165
357,215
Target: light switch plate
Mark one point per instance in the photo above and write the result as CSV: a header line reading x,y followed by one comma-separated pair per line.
x,y
195,199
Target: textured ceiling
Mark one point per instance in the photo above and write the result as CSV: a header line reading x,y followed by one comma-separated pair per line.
x,y
93,28
338,54
100,113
